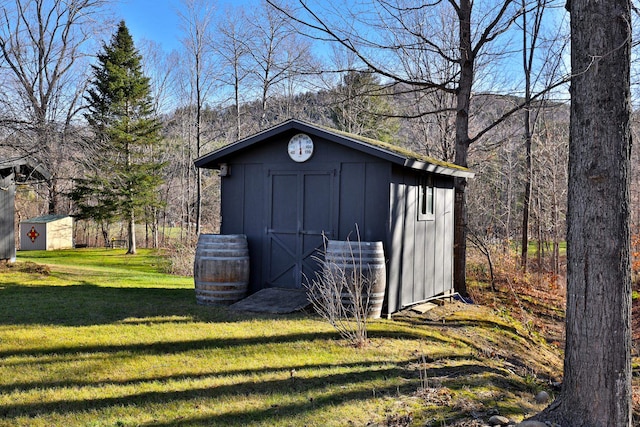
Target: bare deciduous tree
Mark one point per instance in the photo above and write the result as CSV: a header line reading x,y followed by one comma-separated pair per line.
x,y
279,54
385,33
43,44
232,45
534,41
198,25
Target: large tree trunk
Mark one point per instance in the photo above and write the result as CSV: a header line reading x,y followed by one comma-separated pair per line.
x,y
526,202
462,147
52,206
597,367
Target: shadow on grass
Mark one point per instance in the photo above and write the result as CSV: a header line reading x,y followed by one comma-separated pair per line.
x,y
251,387
460,324
376,379
166,347
88,304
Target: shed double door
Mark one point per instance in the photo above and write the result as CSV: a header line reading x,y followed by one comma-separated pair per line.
x,y
299,205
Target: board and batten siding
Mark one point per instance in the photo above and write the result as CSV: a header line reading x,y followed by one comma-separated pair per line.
x,y
242,211
420,265
7,217
357,192
364,194
350,188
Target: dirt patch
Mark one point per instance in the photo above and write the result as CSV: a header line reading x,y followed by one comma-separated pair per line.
x,y
24,267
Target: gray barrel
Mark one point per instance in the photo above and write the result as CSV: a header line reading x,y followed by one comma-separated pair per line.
x,y
359,264
221,268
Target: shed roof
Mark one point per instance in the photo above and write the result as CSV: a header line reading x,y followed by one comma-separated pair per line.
x,y
27,166
380,149
45,219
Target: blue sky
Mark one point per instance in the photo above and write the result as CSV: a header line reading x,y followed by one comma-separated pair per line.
x,y
158,21
155,20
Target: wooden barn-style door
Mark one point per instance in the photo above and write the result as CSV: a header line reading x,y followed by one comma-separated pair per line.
x,y
299,212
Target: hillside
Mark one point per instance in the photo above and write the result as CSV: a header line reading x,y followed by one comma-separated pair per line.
x,y
538,303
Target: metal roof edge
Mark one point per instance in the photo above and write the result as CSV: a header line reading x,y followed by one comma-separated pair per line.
x,y
46,218
438,169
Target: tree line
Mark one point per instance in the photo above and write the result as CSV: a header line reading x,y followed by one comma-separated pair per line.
x,y
238,71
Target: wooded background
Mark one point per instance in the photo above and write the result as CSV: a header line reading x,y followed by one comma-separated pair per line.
x,y
240,70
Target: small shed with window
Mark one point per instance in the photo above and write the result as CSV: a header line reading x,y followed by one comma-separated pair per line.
x,y
288,186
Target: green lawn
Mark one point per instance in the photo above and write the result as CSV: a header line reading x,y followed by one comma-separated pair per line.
x,y
532,248
104,339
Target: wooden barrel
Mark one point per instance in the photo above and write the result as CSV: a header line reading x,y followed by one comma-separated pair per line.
x,y
221,268
360,265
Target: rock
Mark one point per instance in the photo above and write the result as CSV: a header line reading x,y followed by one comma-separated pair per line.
x,y
542,397
498,420
531,424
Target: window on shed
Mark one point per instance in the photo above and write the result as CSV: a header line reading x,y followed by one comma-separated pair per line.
x,y
426,196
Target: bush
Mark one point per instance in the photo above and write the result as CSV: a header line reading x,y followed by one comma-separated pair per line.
x,y
340,294
180,257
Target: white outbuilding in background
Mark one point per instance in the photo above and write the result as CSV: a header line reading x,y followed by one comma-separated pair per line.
x,y
46,233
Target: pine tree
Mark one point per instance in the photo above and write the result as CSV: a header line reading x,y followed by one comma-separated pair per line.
x,y
126,132
362,107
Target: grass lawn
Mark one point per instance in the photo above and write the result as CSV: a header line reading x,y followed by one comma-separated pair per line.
x,y
105,339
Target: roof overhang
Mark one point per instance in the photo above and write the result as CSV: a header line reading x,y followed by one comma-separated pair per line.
x,y
382,150
26,169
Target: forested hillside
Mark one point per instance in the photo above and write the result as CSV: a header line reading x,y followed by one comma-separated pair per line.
x,y
241,70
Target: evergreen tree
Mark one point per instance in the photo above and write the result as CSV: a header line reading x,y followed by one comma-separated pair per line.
x,y
123,177
362,107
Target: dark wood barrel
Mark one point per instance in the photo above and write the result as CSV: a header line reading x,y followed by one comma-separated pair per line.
x,y
221,268
352,260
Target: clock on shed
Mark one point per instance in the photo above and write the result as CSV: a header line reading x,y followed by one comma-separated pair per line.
x,y
300,147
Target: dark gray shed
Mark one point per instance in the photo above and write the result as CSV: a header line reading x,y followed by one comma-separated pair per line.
x,y
14,170
7,214
287,186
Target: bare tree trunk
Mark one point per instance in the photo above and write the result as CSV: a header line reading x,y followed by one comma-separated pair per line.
x,y
198,148
529,46
462,147
236,97
597,367
526,202
527,144
188,195
555,237
132,233
155,226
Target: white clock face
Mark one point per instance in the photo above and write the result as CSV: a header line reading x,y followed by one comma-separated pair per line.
x,y
300,147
